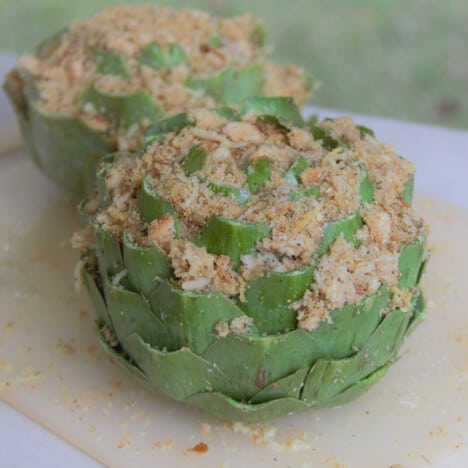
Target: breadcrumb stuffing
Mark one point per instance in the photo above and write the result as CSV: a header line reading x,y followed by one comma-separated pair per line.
x,y
345,274
70,63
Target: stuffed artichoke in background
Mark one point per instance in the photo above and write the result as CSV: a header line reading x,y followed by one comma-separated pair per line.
x,y
95,86
251,264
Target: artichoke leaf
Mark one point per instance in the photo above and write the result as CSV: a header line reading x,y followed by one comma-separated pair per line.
x,y
189,317
363,130
410,263
357,389
178,374
419,313
155,57
130,313
228,113
254,362
310,192
122,110
151,206
215,85
156,131
297,167
347,227
110,63
268,299
284,108
47,46
329,139
350,326
123,361
408,189
366,188
222,236
239,195
108,251
48,137
229,409
195,160
327,378
97,299
145,265
258,174
105,163
246,82
287,387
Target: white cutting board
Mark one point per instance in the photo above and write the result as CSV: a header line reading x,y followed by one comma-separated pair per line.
x,y
52,370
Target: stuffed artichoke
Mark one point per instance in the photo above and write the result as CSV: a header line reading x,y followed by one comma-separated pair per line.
x,y
94,87
251,264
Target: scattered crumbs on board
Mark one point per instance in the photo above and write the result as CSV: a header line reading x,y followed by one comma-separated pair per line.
x,y
200,448
162,444
439,431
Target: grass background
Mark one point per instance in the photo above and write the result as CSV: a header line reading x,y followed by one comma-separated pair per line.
x,y
406,59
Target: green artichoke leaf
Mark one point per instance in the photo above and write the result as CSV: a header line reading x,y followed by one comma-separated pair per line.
x,y
348,227
410,263
239,195
312,121
247,81
97,299
195,160
258,35
145,265
214,41
21,90
130,313
228,113
108,251
222,236
350,326
157,131
110,63
419,313
297,167
71,166
122,110
366,188
330,140
357,389
287,387
48,138
47,46
327,378
408,189
216,85
254,362
151,206
258,173
178,374
229,409
155,57
284,108
363,130
273,121
189,317
310,192
122,361
101,174
268,299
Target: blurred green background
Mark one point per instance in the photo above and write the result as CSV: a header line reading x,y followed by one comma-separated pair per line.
x,y
406,59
